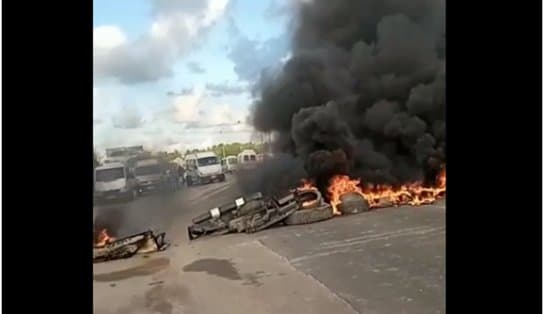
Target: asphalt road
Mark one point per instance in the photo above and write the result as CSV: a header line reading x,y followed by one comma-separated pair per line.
x,y
385,261
159,211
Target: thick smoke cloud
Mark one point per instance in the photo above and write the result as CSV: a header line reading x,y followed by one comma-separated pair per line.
x,y
273,176
317,128
323,164
124,219
364,90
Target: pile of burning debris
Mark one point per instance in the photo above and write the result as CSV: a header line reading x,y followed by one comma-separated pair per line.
x,y
306,204
108,248
256,212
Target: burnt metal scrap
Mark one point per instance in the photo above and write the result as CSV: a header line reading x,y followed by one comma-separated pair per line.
x,y
145,242
256,212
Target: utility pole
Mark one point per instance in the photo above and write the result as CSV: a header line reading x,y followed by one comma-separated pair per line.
x,y
221,132
269,140
263,142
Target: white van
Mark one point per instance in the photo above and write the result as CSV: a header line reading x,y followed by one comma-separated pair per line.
x,y
114,181
229,164
247,159
203,168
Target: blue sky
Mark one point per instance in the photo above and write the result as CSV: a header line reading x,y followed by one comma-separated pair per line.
x,y
177,74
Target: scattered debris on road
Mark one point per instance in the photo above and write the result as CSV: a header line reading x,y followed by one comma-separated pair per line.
x,y
108,248
256,212
306,204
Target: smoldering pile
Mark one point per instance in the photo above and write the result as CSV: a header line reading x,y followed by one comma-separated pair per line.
x,y
116,236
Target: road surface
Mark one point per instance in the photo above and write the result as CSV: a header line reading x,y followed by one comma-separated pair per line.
x,y
385,261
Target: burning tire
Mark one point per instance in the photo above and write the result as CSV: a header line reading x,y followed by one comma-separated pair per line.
x,y
310,199
307,216
353,203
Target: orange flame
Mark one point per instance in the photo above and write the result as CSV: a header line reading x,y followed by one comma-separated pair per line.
x,y
307,185
380,195
340,185
103,238
385,195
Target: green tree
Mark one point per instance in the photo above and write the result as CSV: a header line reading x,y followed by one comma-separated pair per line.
x,y
230,148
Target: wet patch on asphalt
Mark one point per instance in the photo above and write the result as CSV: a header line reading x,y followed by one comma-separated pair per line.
x,y
225,268
254,279
160,300
219,267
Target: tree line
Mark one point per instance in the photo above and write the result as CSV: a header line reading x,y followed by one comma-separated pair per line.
x,y
231,149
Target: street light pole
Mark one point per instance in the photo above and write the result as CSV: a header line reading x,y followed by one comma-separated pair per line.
x,y
223,144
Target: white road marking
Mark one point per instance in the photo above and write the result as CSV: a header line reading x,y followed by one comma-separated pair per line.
x,y
347,247
355,240
307,274
217,191
208,191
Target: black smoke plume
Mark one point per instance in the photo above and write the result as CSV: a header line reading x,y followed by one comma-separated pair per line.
x,y
364,90
273,176
155,212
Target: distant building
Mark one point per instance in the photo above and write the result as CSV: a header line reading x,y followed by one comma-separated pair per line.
x,y
124,151
126,155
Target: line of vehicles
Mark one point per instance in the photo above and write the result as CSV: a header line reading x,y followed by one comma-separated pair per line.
x,y
119,181
206,167
128,173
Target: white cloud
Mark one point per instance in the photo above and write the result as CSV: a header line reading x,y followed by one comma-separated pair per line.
x,y
198,118
170,138
214,125
127,118
186,107
159,29
105,101
108,37
198,109
176,25
221,114
214,11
